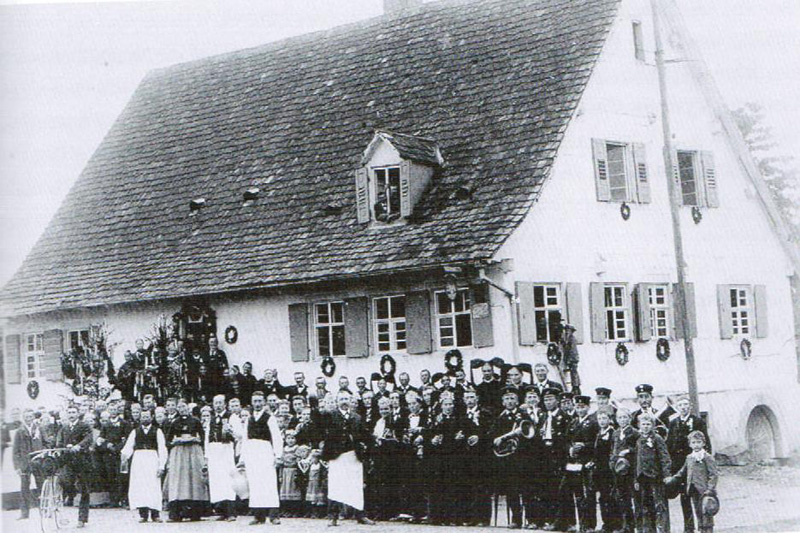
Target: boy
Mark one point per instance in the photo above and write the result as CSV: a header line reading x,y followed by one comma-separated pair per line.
x,y
700,470
603,478
680,426
653,467
620,463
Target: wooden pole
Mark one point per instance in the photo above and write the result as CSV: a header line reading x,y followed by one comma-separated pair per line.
x,y
674,204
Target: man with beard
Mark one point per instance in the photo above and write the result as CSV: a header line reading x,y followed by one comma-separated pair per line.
x,y
644,397
384,479
263,444
146,448
186,488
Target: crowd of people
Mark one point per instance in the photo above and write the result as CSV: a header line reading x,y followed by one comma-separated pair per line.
x,y
441,452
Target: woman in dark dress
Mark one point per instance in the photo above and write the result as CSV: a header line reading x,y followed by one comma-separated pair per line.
x,y
187,489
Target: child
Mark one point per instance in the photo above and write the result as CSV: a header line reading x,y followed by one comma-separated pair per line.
x,y
700,470
290,494
620,463
603,479
653,467
315,491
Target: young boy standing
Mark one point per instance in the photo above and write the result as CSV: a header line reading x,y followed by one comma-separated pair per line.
x,y
700,470
653,467
603,479
622,454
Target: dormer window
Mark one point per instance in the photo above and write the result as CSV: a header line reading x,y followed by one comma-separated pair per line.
x,y
394,174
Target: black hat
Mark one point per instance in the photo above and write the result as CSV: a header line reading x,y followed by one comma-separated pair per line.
x,y
602,391
510,390
622,466
551,391
583,399
567,396
527,372
644,387
436,380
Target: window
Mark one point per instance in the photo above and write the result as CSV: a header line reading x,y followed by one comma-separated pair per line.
x,y
638,41
548,311
741,310
454,318
616,307
687,172
79,340
389,314
658,298
329,326
387,193
34,349
617,177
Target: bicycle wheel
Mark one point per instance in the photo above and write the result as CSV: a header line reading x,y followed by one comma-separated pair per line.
x,y
45,503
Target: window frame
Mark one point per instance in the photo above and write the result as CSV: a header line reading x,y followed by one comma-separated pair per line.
x,y
698,175
560,307
625,308
316,325
392,322
737,310
655,308
88,331
630,185
373,193
37,354
638,40
453,314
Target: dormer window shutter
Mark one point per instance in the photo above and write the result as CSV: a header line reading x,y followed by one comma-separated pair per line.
x,y
676,175
362,195
405,188
640,171
600,155
710,178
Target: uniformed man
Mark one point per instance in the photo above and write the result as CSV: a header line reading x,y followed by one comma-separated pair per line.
x,y
477,464
622,459
447,444
582,434
553,434
385,448
603,402
644,397
510,481
414,481
489,388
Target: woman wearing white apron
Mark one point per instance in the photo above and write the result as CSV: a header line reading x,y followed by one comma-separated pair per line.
x,y
148,447
219,455
264,442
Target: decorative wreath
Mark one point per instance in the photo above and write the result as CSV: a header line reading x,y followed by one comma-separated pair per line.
x,y
697,215
328,366
33,389
662,349
231,335
625,211
621,354
746,348
77,389
453,360
554,353
388,365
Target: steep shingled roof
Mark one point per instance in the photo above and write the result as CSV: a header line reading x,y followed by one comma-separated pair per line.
x,y
493,82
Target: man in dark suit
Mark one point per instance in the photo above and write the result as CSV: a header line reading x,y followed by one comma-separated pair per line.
x,y
27,439
582,434
247,383
541,383
447,444
76,436
384,482
489,389
109,445
477,470
510,481
644,397
413,481
344,443
552,432
299,388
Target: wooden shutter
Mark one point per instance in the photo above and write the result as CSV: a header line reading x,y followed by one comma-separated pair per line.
x,y
362,195
526,313
600,155
762,318
575,309
13,362
709,178
598,309
482,327
724,310
298,332
53,345
642,307
691,311
356,327
405,188
418,323
676,176
641,173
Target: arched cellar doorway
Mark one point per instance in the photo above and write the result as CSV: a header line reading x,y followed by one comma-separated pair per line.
x,y
763,434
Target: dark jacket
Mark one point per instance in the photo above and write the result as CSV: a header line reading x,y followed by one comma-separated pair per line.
x,y
80,436
342,435
23,444
702,475
678,437
624,445
652,457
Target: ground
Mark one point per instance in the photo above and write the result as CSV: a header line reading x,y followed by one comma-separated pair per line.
x,y
753,499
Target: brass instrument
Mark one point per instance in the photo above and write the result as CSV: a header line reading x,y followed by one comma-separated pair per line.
x,y
509,443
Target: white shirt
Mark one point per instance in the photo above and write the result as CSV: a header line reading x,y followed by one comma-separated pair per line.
x,y
380,428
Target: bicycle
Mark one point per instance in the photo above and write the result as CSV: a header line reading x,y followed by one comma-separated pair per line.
x,y
46,465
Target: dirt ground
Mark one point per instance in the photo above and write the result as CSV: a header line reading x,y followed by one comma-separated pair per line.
x,y
753,499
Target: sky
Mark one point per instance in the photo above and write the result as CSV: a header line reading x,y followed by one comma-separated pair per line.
x,y
67,70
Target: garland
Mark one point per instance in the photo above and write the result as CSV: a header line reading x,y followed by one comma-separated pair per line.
x,y
328,366
33,389
453,360
388,365
746,349
231,335
697,215
554,354
625,211
662,349
621,353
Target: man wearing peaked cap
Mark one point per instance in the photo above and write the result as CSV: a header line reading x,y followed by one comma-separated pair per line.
x,y
582,433
552,437
603,401
510,479
644,396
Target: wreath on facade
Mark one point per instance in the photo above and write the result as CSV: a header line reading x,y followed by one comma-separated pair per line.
x,y
697,215
625,211
621,353
746,348
388,365
231,335
662,349
554,354
328,366
33,389
453,360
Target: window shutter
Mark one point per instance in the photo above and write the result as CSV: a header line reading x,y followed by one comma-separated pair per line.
x,y
642,177
600,155
405,188
526,314
298,332
13,362
598,309
418,323
642,306
691,311
709,178
356,327
575,310
53,345
362,195
724,309
482,327
676,175
762,318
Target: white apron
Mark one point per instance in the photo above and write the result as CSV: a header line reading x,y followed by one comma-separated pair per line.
x,y
220,465
346,480
262,478
144,489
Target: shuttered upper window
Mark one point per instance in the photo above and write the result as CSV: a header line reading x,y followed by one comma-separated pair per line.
x,y
548,311
329,328
617,310
741,310
34,350
696,177
454,319
621,172
387,202
389,319
658,300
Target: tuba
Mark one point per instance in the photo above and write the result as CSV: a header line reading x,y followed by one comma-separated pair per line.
x,y
510,441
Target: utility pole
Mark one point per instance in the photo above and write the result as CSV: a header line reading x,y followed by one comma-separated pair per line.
x,y
674,206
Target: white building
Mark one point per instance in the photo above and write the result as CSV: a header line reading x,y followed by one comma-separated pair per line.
x,y
521,129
